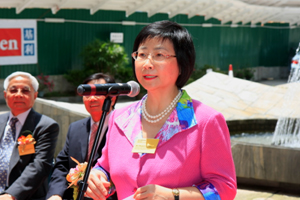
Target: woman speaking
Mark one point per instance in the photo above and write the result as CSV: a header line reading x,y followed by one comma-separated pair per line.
x,y
165,146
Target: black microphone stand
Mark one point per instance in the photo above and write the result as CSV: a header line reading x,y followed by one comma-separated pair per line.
x,y
83,183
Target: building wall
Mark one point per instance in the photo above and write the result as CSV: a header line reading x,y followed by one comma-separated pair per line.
x,y
60,44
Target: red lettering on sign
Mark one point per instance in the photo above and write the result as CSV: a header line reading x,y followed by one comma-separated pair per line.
x,y
10,42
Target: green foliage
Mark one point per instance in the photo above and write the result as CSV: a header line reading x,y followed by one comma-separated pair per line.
x,y
76,76
199,72
245,73
124,74
105,57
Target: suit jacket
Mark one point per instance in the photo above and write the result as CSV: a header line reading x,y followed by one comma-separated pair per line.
x,y
194,149
28,174
76,145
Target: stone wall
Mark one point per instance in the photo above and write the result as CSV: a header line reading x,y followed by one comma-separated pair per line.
x,y
61,84
251,125
267,165
63,116
267,73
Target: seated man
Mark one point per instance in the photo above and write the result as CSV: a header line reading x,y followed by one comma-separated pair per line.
x,y
79,141
23,174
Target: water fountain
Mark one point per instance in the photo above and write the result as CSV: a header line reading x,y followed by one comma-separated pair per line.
x,y
265,165
276,164
287,131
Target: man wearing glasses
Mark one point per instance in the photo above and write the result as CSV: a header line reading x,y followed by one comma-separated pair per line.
x,y
27,141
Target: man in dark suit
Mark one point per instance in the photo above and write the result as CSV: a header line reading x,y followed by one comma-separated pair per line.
x,y
79,141
24,174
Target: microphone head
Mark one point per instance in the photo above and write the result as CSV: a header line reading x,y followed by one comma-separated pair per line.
x,y
135,88
80,90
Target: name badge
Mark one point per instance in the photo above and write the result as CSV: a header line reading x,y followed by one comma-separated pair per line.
x,y
145,145
26,149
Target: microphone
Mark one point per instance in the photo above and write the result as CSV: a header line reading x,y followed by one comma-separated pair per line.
x,y
130,89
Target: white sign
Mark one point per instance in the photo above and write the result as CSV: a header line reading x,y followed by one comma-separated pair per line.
x,y
116,37
18,42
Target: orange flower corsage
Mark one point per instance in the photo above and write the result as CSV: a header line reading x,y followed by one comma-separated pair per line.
x,y
26,144
22,140
76,174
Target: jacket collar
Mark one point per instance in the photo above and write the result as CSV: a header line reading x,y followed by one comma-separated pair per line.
x,y
182,118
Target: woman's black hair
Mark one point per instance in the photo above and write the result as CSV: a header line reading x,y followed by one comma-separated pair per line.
x,y
182,42
97,76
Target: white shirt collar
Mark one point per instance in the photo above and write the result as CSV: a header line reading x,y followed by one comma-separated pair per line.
x,y
21,121
21,117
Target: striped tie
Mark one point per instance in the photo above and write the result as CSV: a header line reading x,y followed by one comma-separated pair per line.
x,y
92,139
6,147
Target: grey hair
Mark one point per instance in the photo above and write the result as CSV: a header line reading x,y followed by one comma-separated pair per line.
x,y
34,81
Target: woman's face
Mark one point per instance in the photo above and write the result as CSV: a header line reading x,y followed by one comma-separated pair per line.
x,y
153,74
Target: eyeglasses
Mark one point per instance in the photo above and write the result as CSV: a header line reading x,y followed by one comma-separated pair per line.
x,y
14,90
156,56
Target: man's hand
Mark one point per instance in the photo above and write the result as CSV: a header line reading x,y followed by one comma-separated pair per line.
x,y
6,197
55,197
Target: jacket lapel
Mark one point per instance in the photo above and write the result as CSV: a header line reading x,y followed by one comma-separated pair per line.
x,y
84,129
3,121
29,125
130,122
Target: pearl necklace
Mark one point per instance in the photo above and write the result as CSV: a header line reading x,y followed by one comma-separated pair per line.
x,y
161,115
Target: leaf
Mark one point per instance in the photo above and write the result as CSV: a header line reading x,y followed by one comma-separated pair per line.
x,y
75,192
75,160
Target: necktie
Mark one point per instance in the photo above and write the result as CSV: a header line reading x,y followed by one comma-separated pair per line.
x,y
6,147
92,139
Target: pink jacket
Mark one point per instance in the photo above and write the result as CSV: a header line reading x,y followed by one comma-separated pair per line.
x,y
192,156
